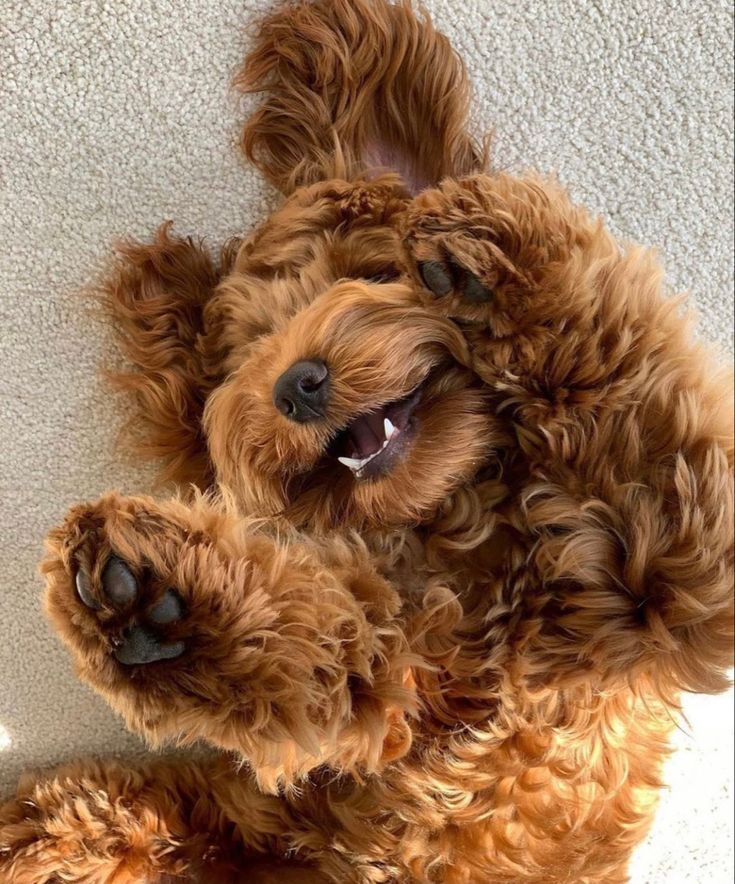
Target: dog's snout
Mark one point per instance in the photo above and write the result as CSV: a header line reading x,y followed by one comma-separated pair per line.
x,y
302,391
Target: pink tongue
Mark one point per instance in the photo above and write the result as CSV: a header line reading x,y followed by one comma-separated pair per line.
x,y
366,434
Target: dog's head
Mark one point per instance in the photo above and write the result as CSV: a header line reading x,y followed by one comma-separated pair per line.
x,y
347,400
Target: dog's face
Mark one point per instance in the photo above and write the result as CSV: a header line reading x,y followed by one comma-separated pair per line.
x,y
346,400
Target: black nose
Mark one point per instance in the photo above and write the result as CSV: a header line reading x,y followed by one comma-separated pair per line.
x,y
302,391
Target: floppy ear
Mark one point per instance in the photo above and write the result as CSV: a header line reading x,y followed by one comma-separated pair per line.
x,y
155,295
353,86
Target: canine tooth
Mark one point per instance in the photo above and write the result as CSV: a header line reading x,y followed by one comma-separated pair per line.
x,y
389,429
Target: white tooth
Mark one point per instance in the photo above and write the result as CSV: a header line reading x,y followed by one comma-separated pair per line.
x,y
389,429
356,464
353,463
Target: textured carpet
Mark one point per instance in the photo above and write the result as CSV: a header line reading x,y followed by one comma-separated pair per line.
x,y
115,115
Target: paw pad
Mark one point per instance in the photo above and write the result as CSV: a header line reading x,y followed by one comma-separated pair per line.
x,y
119,585
139,645
134,642
84,591
436,278
168,609
441,279
474,291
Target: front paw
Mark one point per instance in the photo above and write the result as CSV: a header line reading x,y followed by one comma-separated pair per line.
x,y
488,250
448,277
136,613
110,584
450,251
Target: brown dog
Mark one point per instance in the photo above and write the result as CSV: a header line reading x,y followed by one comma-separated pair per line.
x,y
464,526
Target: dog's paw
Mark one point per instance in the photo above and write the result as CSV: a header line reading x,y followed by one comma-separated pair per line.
x,y
139,616
451,252
442,278
479,249
110,583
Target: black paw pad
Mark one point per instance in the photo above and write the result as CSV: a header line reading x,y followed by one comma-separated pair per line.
x,y
474,291
436,278
168,609
84,590
139,645
119,585
441,279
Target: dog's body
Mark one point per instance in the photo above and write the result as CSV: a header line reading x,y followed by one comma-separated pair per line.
x,y
472,526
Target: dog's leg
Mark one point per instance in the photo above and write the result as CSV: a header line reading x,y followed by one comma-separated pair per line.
x,y
155,296
196,625
100,822
156,822
625,426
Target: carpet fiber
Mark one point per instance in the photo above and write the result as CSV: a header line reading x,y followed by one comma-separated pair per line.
x,y
115,116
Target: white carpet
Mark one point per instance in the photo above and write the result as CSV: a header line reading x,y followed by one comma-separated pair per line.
x,y
115,115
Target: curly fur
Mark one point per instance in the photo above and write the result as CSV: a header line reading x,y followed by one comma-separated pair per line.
x,y
467,669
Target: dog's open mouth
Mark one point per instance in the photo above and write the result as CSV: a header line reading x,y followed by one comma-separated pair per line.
x,y
373,442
